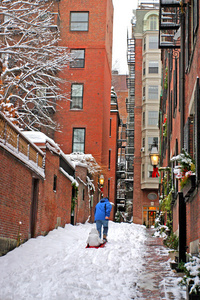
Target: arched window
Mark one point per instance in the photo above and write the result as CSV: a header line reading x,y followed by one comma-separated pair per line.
x,y
153,23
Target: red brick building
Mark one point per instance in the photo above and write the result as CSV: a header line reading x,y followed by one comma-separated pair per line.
x,y
119,82
180,115
84,116
39,186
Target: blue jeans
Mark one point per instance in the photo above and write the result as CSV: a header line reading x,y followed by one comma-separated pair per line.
x,y
99,224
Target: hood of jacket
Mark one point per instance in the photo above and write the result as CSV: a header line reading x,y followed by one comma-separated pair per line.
x,y
104,200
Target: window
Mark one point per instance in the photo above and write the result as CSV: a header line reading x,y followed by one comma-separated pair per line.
x,y
78,57
143,118
153,92
108,187
150,170
41,94
142,171
153,118
78,140
83,195
153,23
79,21
153,67
144,92
143,142
144,71
77,96
152,141
109,159
153,42
110,127
144,46
54,183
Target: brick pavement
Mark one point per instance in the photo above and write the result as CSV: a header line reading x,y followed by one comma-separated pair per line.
x,y
157,281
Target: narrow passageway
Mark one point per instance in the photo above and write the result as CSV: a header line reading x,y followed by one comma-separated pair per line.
x,y
132,265
157,281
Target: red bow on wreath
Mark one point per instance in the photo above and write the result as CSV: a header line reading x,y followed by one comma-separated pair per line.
x,y
155,172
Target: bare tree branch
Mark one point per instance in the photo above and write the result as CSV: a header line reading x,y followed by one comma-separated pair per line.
x,y
31,60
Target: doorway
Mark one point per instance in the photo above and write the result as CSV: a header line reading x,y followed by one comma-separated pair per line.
x,y
34,205
149,215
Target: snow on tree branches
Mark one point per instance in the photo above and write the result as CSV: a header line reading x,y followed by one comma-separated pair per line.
x,y
31,59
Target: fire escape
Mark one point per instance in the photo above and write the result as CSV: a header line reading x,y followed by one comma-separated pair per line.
x,y
130,103
169,23
121,198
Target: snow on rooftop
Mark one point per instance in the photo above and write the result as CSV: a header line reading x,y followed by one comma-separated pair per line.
x,y
39,137
74,159
85,160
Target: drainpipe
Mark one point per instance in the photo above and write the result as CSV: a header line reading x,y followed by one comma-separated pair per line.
x,y
182,81
182,204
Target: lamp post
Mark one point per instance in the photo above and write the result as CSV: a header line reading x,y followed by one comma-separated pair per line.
x,y
101,183
154,157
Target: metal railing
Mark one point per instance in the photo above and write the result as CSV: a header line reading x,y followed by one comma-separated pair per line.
x,y
11,137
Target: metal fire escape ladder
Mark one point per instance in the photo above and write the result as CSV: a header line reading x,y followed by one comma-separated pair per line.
x,y
130,104
169,23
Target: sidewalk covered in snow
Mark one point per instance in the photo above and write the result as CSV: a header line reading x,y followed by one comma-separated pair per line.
x,y
132,265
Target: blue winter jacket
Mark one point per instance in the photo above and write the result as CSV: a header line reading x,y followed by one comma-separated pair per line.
x,y
102,209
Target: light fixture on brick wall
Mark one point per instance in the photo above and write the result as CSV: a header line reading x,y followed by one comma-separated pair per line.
x,y
154,157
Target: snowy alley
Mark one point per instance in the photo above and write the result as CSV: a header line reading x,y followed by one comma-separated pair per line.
x,y
132,265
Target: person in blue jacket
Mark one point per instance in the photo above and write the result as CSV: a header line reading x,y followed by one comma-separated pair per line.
x,y
102,214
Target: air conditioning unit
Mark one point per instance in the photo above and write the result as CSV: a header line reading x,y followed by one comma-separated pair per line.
x,y
142,149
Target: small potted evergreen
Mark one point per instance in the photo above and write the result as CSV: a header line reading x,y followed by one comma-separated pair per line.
x,y
191,278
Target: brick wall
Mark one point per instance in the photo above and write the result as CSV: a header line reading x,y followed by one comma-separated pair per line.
x,y
15,196
53,208
96,77
53,204
137,192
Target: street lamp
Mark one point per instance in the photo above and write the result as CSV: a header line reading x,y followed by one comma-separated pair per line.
x,y
101,183
154,157
101,179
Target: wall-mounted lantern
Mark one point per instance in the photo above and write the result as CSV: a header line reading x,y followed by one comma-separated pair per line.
x,y
101,179
101,183
154,157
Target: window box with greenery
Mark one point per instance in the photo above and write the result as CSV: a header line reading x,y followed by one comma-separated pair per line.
x,y
185,172
166,79
165,126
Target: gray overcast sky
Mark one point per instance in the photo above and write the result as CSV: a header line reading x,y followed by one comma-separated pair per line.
x,y
122,23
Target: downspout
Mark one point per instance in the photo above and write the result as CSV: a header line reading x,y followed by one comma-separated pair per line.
x,y
182,203
182,81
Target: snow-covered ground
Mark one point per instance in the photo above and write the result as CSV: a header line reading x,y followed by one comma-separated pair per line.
x,y
59,267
